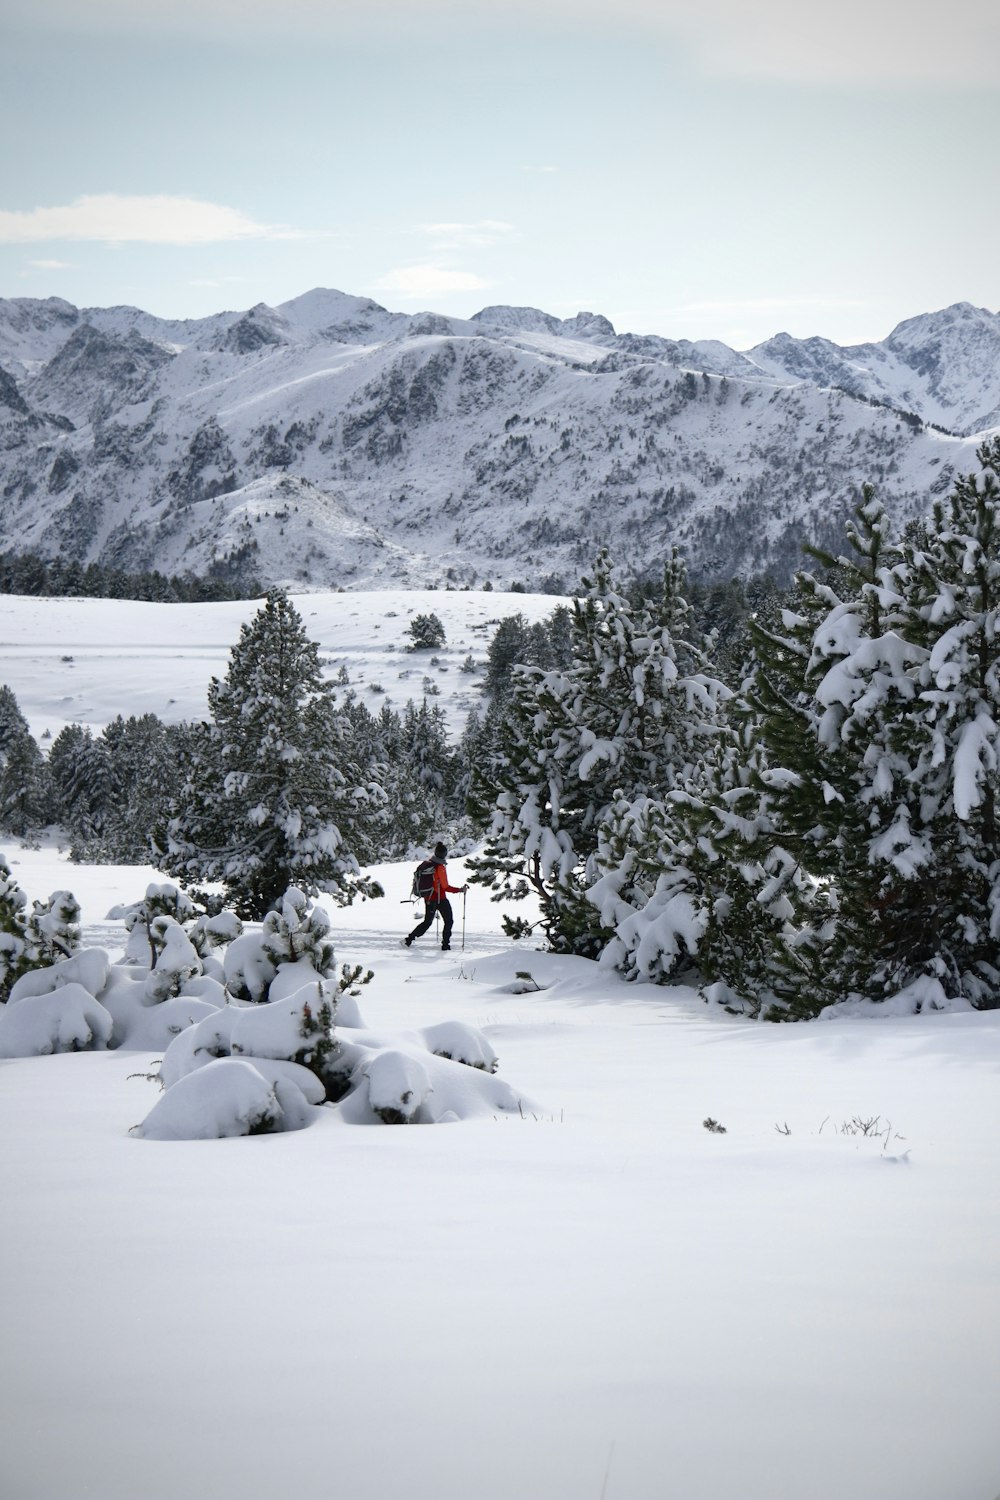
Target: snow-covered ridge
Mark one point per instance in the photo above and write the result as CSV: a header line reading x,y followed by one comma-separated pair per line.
x,y
428,449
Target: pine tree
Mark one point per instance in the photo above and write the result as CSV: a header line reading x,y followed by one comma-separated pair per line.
x,y
427,632
697,881
80,783
143,758
829,701
14,958
52,930
951,847
266,802
22,770
878,710
626,720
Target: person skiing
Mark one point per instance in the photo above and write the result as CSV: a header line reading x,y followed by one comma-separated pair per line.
x,y
437,902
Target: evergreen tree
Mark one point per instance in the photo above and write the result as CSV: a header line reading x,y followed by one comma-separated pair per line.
x,y
143,758
14,958
80,784
949,845
35,939
265,802
427,632
627,719
509,648
877,709
22,770
53,929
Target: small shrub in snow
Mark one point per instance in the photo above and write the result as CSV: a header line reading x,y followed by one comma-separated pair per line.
x,y
90,968
54,927
175,961
426,632
206,931
67,1019
32,940
463,1044
227,1097
398,1086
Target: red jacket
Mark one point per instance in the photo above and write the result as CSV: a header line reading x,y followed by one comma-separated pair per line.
x,y
441,886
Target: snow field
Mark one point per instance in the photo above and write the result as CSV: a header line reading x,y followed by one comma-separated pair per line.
x,y
87,660
597,1298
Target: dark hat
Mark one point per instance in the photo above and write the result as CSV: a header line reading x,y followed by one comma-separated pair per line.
x,y
440,851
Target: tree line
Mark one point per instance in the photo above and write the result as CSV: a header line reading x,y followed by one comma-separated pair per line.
x,y
825,828
30,574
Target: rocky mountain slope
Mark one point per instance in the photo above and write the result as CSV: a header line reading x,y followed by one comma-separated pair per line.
x,y
329,442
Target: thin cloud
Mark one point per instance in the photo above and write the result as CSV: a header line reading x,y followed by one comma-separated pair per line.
x,y
428,281
51,265
851,43
478,236
766,304
155,219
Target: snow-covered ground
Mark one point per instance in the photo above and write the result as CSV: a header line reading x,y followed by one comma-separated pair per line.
x,y
598,1299
595,1299
86,660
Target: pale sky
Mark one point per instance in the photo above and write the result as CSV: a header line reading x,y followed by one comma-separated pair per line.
x,y
720,169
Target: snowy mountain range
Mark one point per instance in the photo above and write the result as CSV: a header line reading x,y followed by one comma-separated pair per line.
x,y
328,442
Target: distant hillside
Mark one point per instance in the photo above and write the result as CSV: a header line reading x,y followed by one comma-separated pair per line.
x,y
330,443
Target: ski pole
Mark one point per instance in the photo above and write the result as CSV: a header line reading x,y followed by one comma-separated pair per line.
x,y
463,919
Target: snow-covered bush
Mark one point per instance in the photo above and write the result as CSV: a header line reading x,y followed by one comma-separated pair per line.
x,y
66,1019
53,927
261,1058
31,940
398,1086
90,968
227,1097
296,935
146,939
461,1043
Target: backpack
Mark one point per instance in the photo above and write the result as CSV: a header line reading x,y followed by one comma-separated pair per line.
x,y
423,880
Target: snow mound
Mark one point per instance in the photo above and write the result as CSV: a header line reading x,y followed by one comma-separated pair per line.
x,y
398,1086
89,969
145,1028
924,996
461,1043
228,1097
68,1019
277,1029
404,1085
207,1040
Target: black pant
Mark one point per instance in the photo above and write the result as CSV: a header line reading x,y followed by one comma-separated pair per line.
x,y
431,909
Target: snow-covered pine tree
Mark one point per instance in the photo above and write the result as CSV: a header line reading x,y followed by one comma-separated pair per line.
x,y
22,770
265,801
696,881
426,632
143,754
830,700
35,939
428,763
13,922
52,930
879,711
80,783
950,846
626,720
